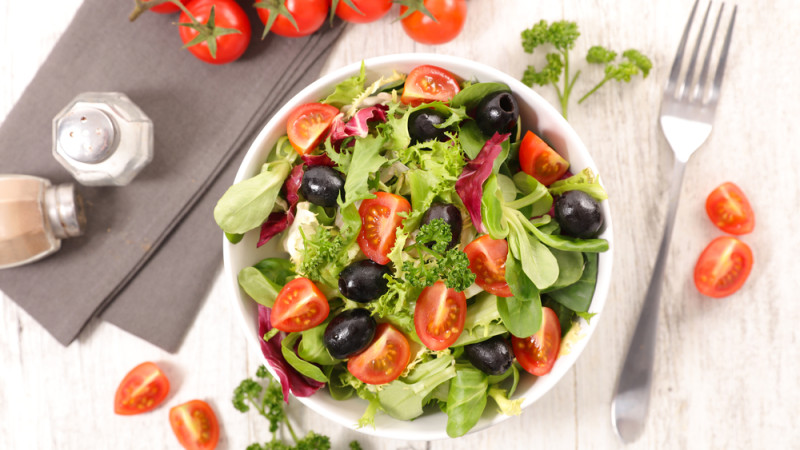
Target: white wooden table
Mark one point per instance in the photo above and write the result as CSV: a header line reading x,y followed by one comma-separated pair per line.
x,y
727,372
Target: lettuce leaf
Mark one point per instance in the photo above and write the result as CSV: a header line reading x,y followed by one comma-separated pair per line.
x,y
346,91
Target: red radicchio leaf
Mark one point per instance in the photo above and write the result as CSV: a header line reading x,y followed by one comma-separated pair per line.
x,y
357,126
291,379
279,221
470,183
318,160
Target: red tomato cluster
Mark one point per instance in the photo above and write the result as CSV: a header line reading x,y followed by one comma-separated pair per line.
x,y
725,263
226,38
145,387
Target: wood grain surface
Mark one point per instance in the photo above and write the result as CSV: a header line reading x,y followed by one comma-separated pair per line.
x,y
727,371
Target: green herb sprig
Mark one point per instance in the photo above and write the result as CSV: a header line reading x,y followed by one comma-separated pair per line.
x,y
438,263
561,35
268,401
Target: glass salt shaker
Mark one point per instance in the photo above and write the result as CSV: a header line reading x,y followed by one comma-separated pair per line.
x,y
102,138
35,216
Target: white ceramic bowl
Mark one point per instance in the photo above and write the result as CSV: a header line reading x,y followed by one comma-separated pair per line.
x,y
537,115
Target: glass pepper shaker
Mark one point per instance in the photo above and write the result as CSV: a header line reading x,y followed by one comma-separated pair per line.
x,y
102,138
35,216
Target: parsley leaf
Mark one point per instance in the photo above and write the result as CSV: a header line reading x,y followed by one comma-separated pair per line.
x,y
450,266
636,64
268,401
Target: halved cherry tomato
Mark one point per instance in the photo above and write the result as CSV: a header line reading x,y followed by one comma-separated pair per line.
x,y
228,14
729,209
385,358
439,316
723,267
142,389
309,15
487,260
450,17
371,10
307,125
427,83
538,160
539,352
300,306
380,217
195,425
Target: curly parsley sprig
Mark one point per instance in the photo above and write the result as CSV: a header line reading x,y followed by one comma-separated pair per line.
x,y
268,401
561,35
437,262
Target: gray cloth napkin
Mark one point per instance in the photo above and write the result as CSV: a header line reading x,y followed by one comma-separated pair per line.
x,y
150,248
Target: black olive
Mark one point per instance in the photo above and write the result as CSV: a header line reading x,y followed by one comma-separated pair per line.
x,y
422,126
497,113
451,216
578,214
493,356
321,185
349,333
363,281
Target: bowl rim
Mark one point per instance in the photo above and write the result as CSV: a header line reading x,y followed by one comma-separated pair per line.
x,y
258,148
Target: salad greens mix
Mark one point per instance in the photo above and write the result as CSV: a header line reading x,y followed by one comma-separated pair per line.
x,y
436,246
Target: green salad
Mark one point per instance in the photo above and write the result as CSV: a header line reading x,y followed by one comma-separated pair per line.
x,y
438,250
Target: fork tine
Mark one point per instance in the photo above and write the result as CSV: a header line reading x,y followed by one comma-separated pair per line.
x,y
700,87
723,59
669,89
687,82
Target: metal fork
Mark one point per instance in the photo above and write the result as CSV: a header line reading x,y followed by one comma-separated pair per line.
x,y
687,114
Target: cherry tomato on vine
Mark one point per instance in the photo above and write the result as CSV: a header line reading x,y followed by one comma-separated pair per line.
x,y
380,217
723,267
229,15
487,260
166,8
450,17
300,306
427,83
538,353
439,316
371,10
308,14
729,209
385,358
142,389
195,425
538,160
308,124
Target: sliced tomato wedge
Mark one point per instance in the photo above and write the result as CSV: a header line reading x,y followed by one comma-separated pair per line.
x,y
729,209
723,267
487,260
539,352
380,217
308,124
427,84
385,358
300,306
195,425
142,390
439,316
538,160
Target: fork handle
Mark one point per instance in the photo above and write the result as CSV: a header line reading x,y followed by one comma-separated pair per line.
x,y
632,396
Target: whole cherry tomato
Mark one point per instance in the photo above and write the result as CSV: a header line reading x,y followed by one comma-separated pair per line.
x,y
450,17
371,10
308,14
228,15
